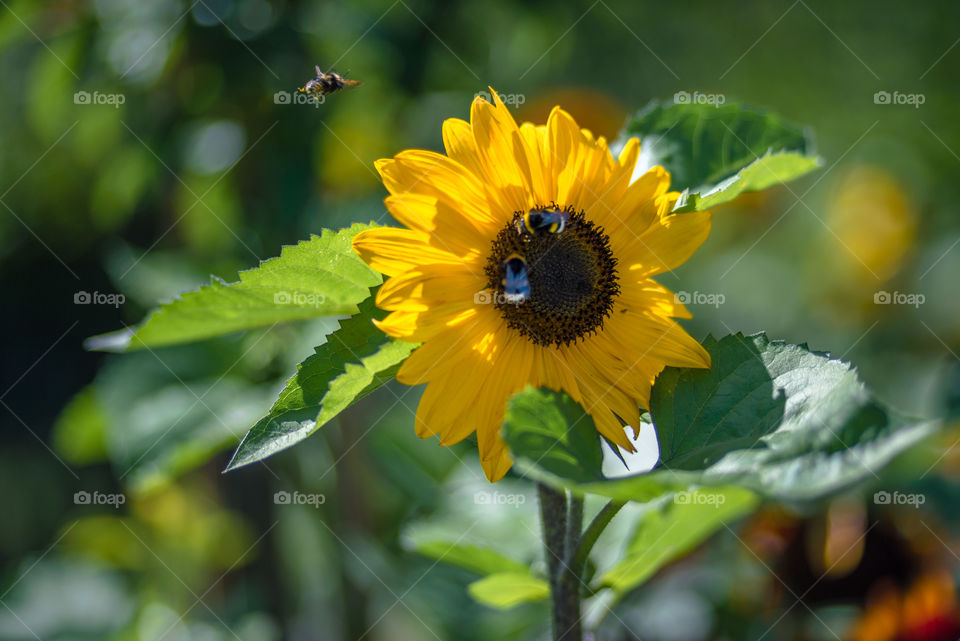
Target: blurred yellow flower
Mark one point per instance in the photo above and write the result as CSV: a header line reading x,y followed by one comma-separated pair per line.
x,y
872,215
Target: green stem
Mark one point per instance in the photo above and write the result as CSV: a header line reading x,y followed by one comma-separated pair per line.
x,y
592,533
574,527
558,530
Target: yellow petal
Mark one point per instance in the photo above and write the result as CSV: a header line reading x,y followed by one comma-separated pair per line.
x,y
649,295
665,245
460,145
446,226
472,342
431,174
393,251
493,129
498,464
420,326
427,285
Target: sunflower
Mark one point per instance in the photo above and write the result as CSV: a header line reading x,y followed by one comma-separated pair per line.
x,y
527,259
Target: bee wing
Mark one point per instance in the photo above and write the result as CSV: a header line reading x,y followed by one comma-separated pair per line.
x,y
351,83
317,69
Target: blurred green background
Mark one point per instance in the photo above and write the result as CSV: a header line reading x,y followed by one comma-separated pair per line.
x,y
182,160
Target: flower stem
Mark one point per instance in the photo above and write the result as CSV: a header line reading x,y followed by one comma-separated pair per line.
x,y
592,533
561,522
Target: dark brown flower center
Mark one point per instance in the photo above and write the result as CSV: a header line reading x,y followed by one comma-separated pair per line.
x,y
566,281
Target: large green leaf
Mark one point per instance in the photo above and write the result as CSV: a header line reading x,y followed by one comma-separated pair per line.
x,y
318,277
719,152
508,589
549,431
480,560
700,415
356,359
670,529
768,171
778,419
816,429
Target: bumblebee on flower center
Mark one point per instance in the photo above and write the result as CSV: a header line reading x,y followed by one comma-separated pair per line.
x,y
569,275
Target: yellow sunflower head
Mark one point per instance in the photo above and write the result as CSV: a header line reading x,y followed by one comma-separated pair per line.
x,y
527,259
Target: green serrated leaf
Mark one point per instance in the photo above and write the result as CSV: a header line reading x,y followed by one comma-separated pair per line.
x,y
770,170
669,530
702,144
793,425
778,419
701,415
356,359
505,590
549,431
474,558
318,277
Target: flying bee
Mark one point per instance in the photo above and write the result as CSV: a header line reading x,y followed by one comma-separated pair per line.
x,y
327,83
516,285
550,220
